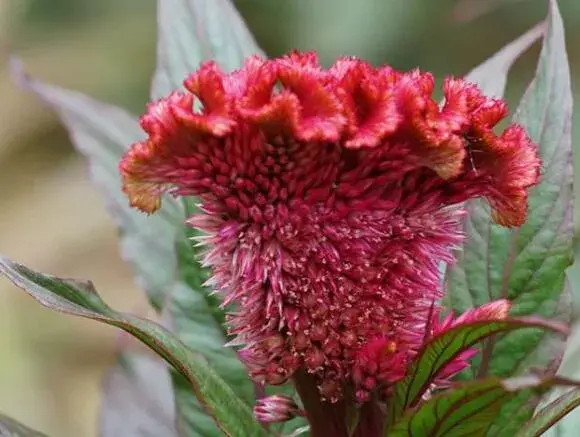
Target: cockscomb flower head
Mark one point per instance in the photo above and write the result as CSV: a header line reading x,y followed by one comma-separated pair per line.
x,y
329,198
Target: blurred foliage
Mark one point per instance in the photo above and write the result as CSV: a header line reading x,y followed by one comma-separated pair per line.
x,y
50,369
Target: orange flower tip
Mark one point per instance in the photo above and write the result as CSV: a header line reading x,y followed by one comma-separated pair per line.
x,y
391,347
144,196
446,163
498,309
512,218
448,170
222,126
362,141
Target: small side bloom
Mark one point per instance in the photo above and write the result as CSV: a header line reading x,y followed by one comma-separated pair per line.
x,y
275,409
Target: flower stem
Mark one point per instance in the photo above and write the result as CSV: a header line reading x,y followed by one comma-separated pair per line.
x,y
326,419
370,422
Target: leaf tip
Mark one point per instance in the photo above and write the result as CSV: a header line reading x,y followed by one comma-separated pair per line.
x,y
18,72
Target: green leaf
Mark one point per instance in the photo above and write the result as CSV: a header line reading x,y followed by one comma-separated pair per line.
x,y
526,265
191,317
467,409
464,411
190,418
195,314
137,399
442,349
550,414
569,368
491,75
520,408
170,275
537,255
231,414
198,318
193,31
102,133
11,428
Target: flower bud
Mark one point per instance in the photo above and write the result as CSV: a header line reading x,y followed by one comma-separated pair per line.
x,y
275,409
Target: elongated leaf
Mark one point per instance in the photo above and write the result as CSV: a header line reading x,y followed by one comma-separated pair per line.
x,y
192,318
521,407
443,348
526,265
538,253
171,276
12,428
197,318
232,415
194,313
137,399
550,414
192,31
491,75
191,419
466,410
569,368
102,133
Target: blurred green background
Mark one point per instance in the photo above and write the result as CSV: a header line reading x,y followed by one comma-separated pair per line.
x,y
53,220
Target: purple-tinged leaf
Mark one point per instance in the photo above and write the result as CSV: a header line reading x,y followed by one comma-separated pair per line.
x,y
137,399
550,414
12,428
466,11
102,133
443,348
193,31
171,276
232,416
468,409
491,75
526,265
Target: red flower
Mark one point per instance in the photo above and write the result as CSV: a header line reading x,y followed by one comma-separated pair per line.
x,y
329,197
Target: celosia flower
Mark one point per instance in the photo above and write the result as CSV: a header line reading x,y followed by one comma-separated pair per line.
x,y
329,198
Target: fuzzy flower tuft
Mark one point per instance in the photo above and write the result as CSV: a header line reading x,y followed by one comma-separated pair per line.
x,y
329,198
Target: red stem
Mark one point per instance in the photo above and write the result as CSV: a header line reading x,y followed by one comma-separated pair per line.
x,y
330,419
370,422
326,419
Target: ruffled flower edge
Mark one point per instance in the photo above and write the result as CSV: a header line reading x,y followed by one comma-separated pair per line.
x,y
351,104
